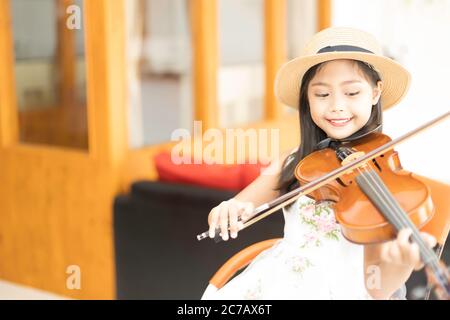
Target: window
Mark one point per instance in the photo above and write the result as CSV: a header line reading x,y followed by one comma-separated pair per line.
x,y
159,70
50,72
241,68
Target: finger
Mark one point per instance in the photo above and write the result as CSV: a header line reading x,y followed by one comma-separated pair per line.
x,y
213,220
248,209
404,244
242,211
384,254
394,253
223,221
429,239
233,218
414,257
404,235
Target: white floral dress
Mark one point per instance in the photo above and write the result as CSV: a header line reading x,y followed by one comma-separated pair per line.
x,y
312,261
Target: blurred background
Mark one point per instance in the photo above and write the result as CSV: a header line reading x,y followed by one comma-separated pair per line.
x,y
91,92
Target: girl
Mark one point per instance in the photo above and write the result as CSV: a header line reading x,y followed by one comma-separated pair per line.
x,y
340,84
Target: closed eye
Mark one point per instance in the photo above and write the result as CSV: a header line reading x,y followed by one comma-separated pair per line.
x,y
353,93
322,95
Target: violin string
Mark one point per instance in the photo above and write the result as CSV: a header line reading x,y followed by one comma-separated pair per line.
x,y
390,203
398,214
385,202
429,256
426,251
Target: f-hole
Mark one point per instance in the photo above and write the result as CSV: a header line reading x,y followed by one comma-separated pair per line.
x,y
341,182
376,164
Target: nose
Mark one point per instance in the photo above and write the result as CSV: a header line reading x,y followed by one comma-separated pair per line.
x,y
337,105
337,109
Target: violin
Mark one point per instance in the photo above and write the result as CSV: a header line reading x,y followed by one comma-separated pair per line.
x,y
376,200
373,196
370,201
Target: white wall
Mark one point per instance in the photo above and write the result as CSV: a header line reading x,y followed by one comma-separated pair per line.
x,y
416,33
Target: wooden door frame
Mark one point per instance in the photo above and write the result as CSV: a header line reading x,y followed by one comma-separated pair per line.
x,y
106,84
8,104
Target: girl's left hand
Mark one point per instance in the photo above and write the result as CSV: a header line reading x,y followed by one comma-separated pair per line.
x,y
404,253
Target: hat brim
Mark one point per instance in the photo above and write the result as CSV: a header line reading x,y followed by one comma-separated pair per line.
x,y
396,79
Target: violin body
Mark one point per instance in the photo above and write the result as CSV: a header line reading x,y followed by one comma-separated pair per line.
x,y
361,222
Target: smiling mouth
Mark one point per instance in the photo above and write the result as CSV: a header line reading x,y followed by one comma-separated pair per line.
x,y
339,122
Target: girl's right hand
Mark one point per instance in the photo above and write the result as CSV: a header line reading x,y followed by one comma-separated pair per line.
x,y
227,215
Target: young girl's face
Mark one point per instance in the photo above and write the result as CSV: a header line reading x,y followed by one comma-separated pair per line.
x,y
341,98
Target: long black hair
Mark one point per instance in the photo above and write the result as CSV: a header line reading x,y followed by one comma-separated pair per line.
x,y
311,134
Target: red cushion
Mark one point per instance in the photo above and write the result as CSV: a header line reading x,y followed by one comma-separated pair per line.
x,y
219,176
250,172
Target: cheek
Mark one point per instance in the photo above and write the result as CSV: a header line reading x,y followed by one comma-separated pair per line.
x,y
362,108
317,110
362,115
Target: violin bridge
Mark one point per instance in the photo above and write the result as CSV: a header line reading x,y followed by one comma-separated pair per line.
x,y
352,157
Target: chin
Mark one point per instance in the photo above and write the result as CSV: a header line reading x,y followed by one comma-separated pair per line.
x,y
340,135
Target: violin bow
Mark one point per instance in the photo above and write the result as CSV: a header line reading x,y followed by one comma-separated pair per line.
x,y
268,208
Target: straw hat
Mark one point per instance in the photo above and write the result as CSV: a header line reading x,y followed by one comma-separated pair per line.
x,y
342,43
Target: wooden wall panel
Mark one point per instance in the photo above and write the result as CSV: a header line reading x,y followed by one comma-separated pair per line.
x,y
205,60
323,14
55,211
8,108
275,46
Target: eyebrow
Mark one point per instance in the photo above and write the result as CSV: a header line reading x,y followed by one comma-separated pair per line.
x,y
342,83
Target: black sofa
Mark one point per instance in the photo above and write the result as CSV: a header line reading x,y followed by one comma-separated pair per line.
x,y
156,251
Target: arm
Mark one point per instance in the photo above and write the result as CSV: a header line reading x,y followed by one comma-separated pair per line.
x,y
260,191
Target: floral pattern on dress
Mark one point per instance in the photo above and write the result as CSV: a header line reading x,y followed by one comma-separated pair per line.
x,y
321,221
288,271
255,292
298,264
